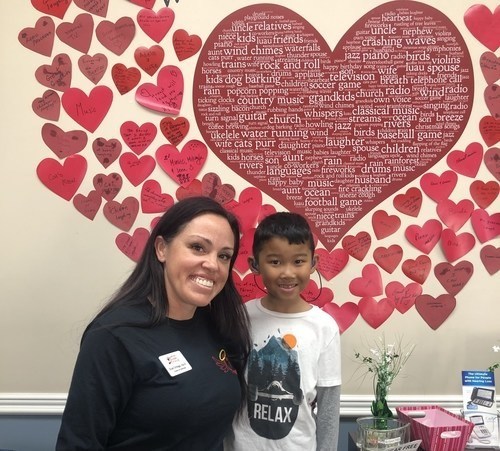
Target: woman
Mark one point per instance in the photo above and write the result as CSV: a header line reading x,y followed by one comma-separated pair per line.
x,y
161,366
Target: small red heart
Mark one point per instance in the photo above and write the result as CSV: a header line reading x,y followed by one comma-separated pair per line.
x,y
466,162
246,208
122,215
125,79
192,190
144,3
185,44
56,75
369,284
357,246
77,34
330,264
439,187
149,59
317,296
492,100
117,36
388,258
40,38
108,186
417,270
62,143
152,198
344,315
384,225
426,237
55,8
453,278
490,256
48,106
247,287
133,246
375,313
485,227
93,67
492,161
489,128
403,297
156,24
484,194
456,246
409,203
89,205
138,138
174,129
211,186
490,66
435,311
136,169
454,215
484,25
97,7
106,151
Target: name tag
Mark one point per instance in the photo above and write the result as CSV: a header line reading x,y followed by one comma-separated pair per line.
x,y
175,363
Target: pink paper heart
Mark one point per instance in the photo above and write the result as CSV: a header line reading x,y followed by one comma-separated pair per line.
x,y
490,66
40,38
344,315
492,161
454,277
56,75
426,237
88,205
369,284
246,208
454,215
435,311
152,198
490,256
193,189
87,110
418,269
97,7
77,34
384,224
330,264
122,214
108,186
439,187
466,162
484,194
485,227
484,25
489,128
117,36
388,258
124,78
456,246
144,3
138,138
156,24
55,8
375,313
211,186
492,100
247,287
403,297
106,151
48,106
357,246
265,211
318,296
174,129
136,169
185,44
62,143
93,67
409,203
241,263
149,59
133,245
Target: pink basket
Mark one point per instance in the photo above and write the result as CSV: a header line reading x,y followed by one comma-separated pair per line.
x,y
438,429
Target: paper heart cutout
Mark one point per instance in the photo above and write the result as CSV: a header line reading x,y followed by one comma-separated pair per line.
x,y
417,270
492,100
403,297
56,75
384,225
211,186
454,215
40,38
93,67
144,3
388,258
62,143
62,179
466,162
409,203
106,151
124,78
136,169
152,198
357,246
318,296
133,246
248,287
454,277
174,129
265,211
149,59
426,237
88,205
241,263
116,37
490,66
77,34
138,138
489,128
155,24
330,264
484,194
439,187
375,313
344,315
55,8
87,110
183,166
435,311
122,214
485,227
193,189
166,96
48,106
369,284
484,25
490,256
185,44
492,161
97,7
246,208
456,246
108,186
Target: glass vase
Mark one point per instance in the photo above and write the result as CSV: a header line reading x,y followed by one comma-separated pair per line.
x,y
376,433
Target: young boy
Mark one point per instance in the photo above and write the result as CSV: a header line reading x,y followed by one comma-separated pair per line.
x,y
294,367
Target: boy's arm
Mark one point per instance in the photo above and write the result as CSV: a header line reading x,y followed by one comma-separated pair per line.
x,y
327,418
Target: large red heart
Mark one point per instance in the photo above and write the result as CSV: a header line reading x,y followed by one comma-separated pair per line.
x,y
490,256
48,106
484,25
133,245
435,311
152,198
456,246
246,208
331,263
62,143
56,75
455,215
137,169
124,78
138,137
402,296
418,269
426,237
409,203
332,134
122,214
156,24
89,205
344,315
185,44
388,258
318,296
490,66
106,150
453,277
116,36
466,162
369,284
97,7
93,67
149,59
248,287
357,246
384,225
55,8
375,313
40,38
439,187
77,34
484,194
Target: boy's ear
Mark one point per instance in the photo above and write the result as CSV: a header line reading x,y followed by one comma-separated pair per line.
x,y
254,266
314,263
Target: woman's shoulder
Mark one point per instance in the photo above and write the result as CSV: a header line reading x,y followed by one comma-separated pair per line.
x,y
123,315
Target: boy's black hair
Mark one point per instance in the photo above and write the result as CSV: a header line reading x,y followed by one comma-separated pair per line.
x,y
290,226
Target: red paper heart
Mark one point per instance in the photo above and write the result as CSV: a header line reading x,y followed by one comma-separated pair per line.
x,y
89,205
485,227
185,44
409,203
106,151
375,313
417,270
453,278
330,264
490,66
152,198
193,189
56,75
122,215
435,311
48,106
63,180
93,67
265,211
357,246
77,34
108,186
466,162
439,187
174,129
183,166
490,256
492,100
117,36
490,130
388,258
63,144
166,96
211,186
40,38
484,25
136,169
138,138
454,215
314,112
492,161
149,59
125,79
484,194
403,297
344,315
241,262
456,246
144,3
369,284
97,7
247,287
133,246
426,237
55,8
317,296
156,24
384,225
246,208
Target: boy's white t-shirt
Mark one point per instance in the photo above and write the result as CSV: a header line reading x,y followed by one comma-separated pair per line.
x,y
293,353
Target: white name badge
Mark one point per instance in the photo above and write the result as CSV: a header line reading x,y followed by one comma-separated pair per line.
x,y
175,363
